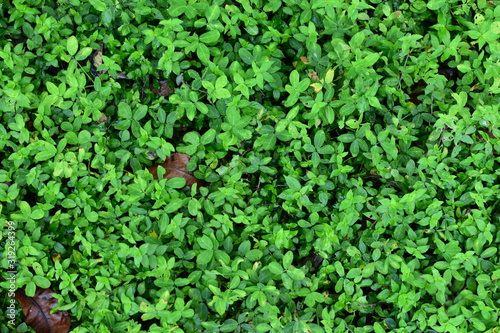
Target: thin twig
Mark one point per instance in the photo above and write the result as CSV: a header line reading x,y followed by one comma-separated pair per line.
x,y
401,77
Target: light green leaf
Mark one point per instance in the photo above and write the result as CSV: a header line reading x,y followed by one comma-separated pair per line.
x,y
98,5
294,78
205,243
222,93
208,137
30,289
436,4
329,75
72,45
52,88
288,259
48,152
293,183
319,139
41,281
83,53
203,53
212,13
221,82
174,205
296,274
275,268
204,257
210,37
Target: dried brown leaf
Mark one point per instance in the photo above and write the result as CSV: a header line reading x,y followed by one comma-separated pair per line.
x,y
304,60
313,76
103,118
164,89
96,60
175,166
37,309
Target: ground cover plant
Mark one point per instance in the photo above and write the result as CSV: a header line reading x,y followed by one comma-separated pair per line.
x,y
250,166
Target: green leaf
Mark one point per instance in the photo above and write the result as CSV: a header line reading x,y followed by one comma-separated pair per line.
x,y
205,243
84,137
287,260
370,60
489,252
329,76
339,268
390,148
48,152
140,112
177,7
233,116
204,257
222,93
176,182
293,183
347,202
30,289
37,214
346,138
174,205
275,268
246,56
124,111
254,255
319,139
83,53
220,306
52,88
221,82
41,281
353,251
210,37
378,328
208,137
203,53
296,274
436,4
212,13
72,45
99,5
294,78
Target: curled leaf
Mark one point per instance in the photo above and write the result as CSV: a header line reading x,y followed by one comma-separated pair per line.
x,y
175,166
37,309
151,155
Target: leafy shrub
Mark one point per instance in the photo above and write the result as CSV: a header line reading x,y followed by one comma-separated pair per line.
x,y
349,152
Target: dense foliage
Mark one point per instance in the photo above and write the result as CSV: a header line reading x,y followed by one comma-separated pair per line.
x,y
349,154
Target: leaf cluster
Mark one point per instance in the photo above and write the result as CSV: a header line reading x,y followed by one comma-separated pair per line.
x,y
348,152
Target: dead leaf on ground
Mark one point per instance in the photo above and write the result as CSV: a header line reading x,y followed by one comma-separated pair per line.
x,y
96,60
175,166
164,89
37,309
